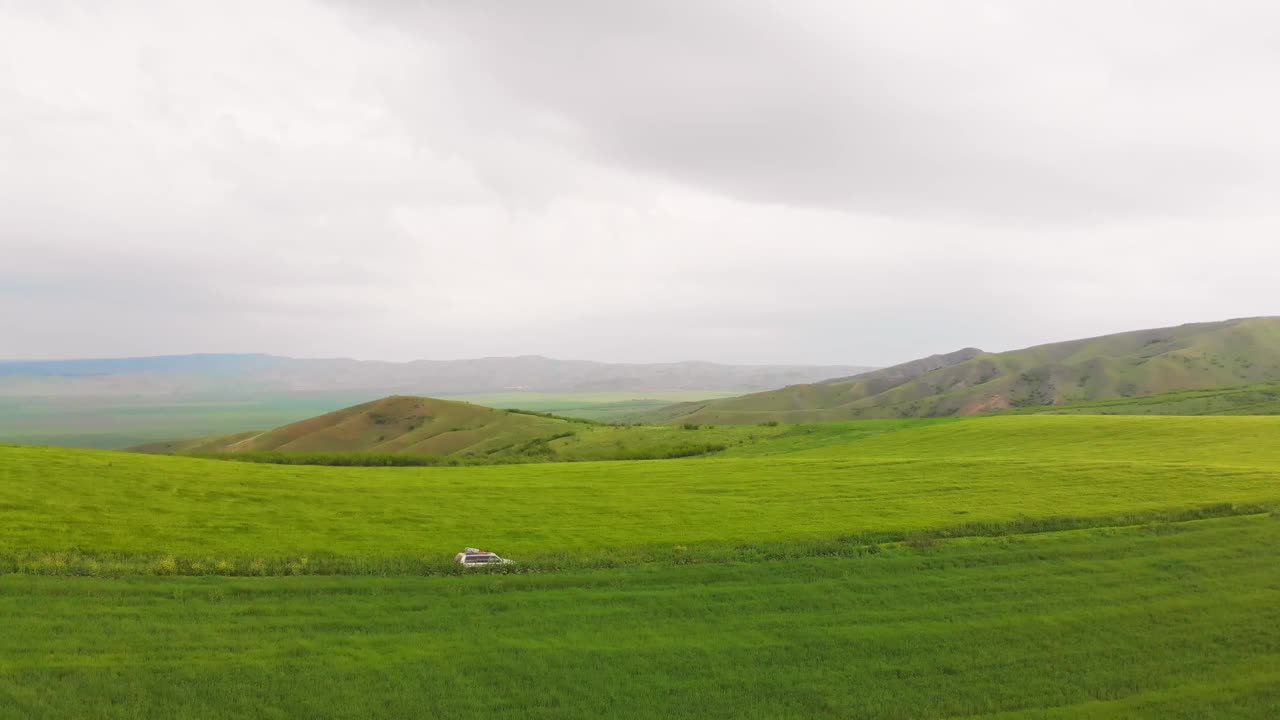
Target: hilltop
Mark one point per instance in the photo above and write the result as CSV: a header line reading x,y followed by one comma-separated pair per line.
x,y
969,382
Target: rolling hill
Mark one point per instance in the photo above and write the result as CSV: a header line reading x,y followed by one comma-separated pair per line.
x,y
430,431
398,424
970,382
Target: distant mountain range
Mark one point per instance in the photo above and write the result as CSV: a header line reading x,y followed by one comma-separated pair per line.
x,y
969,382
1228,367
247,374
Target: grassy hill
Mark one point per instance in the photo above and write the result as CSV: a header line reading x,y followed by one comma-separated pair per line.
x,y
427,428
398,424
996,567
969,382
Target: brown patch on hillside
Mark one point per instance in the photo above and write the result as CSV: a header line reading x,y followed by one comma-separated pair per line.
x,y
988,404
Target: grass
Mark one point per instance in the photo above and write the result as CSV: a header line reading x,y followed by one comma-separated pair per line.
x,y
1255,399
599,406
994,470
777,439
1167,621
1174,443
535,450
1009,567
655,441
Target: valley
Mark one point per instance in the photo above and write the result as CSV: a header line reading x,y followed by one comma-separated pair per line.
x,y
1105,557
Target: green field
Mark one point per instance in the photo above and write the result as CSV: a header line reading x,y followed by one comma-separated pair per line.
x,y
911,479
1002,567
1160,622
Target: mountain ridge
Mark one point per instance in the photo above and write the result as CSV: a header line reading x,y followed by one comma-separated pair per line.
x,y
969,382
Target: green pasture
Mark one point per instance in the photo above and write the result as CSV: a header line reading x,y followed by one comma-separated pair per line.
x,y
1170,621
139,510
1002,568
1178,442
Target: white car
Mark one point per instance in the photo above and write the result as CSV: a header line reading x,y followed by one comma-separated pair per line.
x,y
475,557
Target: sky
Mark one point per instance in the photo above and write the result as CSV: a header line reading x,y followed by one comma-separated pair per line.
x,y
749,181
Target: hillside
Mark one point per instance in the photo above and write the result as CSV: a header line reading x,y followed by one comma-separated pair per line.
x,y
969,382
432,431
399,424
1255,399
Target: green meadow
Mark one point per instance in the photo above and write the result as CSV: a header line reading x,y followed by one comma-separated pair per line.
x,y
914,478
1149,621
1002,567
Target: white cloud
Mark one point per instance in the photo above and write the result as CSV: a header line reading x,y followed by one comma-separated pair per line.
x,y
824,182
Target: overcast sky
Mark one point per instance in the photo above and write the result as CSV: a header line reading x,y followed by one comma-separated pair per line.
x,y
741,181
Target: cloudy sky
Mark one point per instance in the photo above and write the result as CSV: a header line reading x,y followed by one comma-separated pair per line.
x,y
743,181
